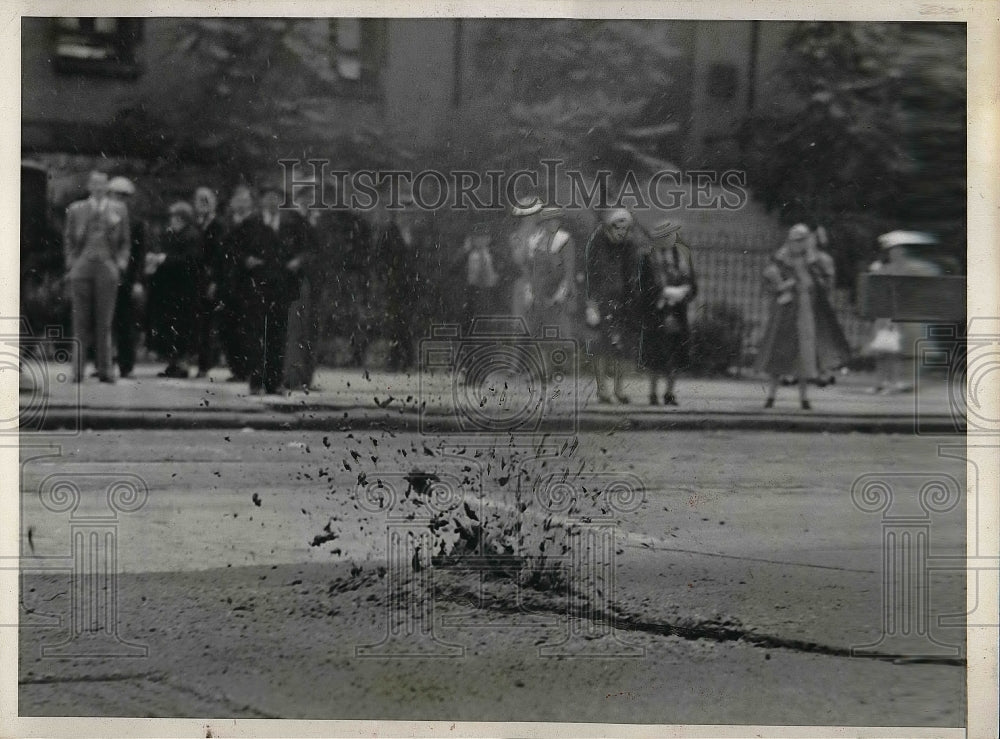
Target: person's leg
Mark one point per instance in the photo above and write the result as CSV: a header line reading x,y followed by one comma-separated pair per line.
x,y
902,369
81,292
276,334
105,295
653,398
617,370
241,336
310,341
123,331
600,364
203,336
252,338
772,391
669,398
804,393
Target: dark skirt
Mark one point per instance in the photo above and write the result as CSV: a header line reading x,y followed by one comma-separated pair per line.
x,y
664,344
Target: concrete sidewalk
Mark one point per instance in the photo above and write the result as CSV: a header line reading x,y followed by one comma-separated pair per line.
x,y
435,403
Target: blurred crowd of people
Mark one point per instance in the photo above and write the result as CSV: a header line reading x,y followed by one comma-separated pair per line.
x,y
258,283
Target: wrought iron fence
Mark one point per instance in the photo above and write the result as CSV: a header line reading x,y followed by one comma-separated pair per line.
x,y
731,275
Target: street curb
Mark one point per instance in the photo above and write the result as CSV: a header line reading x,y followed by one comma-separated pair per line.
x,y
67,422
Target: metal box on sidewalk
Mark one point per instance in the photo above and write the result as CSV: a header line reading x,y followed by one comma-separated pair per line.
x,y
912,298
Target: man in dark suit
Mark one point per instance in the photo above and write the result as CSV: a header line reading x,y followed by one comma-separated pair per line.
x,y
284,281
131,288
266,278
234,288
96,245
303,231
211,275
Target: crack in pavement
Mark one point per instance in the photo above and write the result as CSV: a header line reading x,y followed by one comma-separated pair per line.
x,y
711,631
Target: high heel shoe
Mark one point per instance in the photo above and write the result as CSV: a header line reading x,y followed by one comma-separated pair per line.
x,y
806,405
653,400
670,399
769,403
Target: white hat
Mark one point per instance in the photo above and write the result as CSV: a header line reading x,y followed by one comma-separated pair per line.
x,y
905,238
535,206
618,215
121,185
660,230
799,231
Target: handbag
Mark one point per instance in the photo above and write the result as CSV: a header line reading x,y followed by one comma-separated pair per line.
x,y
672,323
887,340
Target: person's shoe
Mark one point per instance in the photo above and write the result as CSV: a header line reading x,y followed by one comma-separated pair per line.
x,y
202,374
877,390
653,400
107,379
95,373
623,399
806,405
670,399
603,398
175,371
126,375
769,403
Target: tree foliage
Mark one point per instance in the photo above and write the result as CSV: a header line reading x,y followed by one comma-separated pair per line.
x,y
594,94
864,130
249,91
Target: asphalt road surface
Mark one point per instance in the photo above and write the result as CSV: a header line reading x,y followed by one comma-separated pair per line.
x,y
687,577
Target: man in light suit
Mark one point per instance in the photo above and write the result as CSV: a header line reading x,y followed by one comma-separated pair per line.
x,y
96,246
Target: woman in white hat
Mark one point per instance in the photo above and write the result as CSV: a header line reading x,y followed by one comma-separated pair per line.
x,y
667,286
893,344
803,338
522,242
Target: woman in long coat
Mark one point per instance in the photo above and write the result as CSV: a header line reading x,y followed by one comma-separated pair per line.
x,y
522,240
174,291
667,285
609,296
803,338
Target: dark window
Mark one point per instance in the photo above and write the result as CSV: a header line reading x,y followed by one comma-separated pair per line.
x,y
358,55
99,46
722,81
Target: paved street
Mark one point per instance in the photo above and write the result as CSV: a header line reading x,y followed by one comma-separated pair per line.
x,y
740,574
